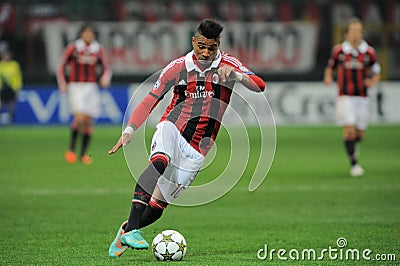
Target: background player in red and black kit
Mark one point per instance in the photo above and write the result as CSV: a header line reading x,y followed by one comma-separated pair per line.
x,y
84,56
202,83
357,70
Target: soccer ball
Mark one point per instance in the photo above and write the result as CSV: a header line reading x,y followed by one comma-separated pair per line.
x,y
169,245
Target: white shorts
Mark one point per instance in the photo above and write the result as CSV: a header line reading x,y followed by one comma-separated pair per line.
x,y
352,110
185,162
84,97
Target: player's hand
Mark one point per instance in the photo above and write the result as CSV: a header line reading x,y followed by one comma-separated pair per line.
x,y
105,82
122,141
116,146
62,88
369,82
226,73
328,80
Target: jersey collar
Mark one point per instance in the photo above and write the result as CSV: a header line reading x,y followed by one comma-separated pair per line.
x,y
348,49
191,65
93,47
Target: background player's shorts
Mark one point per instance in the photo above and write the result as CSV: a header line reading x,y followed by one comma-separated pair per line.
x,y
7,95
185,161
84,97
352,110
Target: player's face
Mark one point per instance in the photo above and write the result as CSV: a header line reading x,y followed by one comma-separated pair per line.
x,y
6,56
354,34
204,49
87,35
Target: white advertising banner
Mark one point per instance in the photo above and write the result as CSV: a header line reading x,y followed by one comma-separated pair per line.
x,y
272,47
314,103
283,103
143,48
288,103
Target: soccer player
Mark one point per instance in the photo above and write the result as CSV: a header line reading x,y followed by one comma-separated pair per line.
x,y
10,84
83,56
202,83
357,70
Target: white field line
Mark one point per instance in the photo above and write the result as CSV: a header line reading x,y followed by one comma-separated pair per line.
x,y
332,188
67,191
265,188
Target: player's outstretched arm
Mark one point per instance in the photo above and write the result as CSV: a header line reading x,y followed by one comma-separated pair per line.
x,y
139,115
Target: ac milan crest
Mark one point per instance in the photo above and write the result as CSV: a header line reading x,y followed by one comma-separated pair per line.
x,y
215,78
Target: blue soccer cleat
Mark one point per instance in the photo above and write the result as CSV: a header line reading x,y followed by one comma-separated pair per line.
x,y
117,248
134,239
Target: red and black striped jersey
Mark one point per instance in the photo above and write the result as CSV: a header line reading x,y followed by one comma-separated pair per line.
x,y
353,65
199,98
84,61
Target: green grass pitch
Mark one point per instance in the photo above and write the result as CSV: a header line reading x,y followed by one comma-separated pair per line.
x,y
52,213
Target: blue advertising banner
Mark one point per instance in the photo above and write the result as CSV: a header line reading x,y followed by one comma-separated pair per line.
x,y
45,105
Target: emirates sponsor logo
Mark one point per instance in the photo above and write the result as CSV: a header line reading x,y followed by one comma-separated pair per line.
x,y
87,59
200,92
354,64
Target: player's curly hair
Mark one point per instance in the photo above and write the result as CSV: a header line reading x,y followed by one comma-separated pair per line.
x,y
209,28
